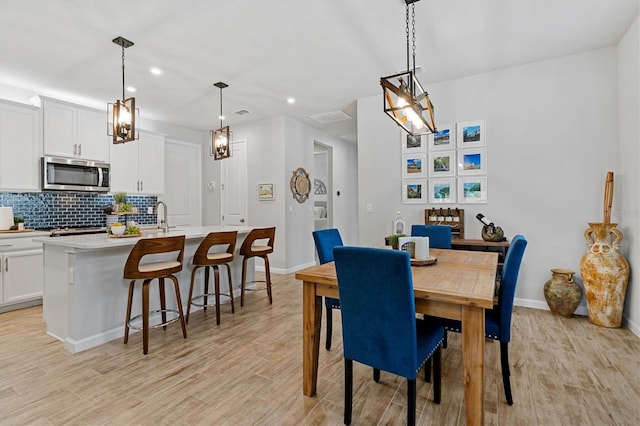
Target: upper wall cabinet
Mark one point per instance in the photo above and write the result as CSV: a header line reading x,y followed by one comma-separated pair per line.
x,y
74,131
20,147
138,167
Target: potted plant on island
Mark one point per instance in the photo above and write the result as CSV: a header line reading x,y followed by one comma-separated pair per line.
x,y
19,221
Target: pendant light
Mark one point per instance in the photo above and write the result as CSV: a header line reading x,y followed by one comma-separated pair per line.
x,y
221,143
122,116
405,101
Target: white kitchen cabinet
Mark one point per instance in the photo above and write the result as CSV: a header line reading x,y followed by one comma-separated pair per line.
x,y
138,167
74,131
20,147
22,277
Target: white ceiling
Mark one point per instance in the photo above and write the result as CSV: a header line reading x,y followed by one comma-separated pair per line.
x,y
324,53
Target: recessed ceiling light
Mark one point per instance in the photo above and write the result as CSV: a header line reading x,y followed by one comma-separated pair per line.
x,y
291,101
131,89
155,71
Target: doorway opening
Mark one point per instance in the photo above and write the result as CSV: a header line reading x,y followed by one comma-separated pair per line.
x,y
322,186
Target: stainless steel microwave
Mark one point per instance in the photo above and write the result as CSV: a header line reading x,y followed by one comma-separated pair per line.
x,y
74,174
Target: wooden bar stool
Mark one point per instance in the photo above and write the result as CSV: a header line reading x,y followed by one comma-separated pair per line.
x,y
248,250
202,258
134,270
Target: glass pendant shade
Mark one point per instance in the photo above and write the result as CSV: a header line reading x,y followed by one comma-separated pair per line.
x,y
407,103
124,121
221,143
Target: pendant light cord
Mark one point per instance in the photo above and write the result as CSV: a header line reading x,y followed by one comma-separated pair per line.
x,y
123,98
220,107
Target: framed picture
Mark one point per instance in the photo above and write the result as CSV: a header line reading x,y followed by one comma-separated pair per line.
x,y
472,162
414,191
444,138
471,134
442,164
266,192
414,165
411,144
442,190
472,190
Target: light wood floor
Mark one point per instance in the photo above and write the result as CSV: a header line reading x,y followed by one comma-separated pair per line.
x,y
248,370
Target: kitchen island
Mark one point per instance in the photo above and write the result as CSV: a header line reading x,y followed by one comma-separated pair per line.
x,y
85,296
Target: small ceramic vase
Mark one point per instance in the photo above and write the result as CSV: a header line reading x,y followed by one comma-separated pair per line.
x,y
562,294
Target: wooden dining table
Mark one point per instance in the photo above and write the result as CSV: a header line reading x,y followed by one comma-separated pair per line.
x,y
459,285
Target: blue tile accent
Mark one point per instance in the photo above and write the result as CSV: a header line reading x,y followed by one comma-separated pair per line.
x,y
43,210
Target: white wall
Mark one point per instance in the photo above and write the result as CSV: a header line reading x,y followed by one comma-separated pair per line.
x,y
275,148
628,180
552,136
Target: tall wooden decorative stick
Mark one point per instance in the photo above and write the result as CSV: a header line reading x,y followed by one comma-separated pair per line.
x,y
608,198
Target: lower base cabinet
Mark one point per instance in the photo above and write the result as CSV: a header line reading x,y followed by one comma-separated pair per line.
x,y
22,279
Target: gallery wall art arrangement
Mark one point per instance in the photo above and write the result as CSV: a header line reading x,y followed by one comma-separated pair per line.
x,y
448,166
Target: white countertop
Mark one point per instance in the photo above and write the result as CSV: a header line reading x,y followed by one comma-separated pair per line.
x,y
26,234
102,241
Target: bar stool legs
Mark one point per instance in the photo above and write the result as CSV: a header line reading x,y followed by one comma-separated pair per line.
x,y
216,290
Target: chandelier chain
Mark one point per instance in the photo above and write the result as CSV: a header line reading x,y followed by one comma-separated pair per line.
x,y
413,35
407,32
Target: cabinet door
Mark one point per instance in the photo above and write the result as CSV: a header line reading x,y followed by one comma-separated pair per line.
x,y
151,148
93,141
59,131
124,167
20,147
23,277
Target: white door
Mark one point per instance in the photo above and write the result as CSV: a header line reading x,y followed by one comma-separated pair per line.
x,y
233,176
182,183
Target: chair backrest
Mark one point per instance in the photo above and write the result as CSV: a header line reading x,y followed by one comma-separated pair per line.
x,y
200,257
134,268
439,235
378,308
326,240
258,234
507,289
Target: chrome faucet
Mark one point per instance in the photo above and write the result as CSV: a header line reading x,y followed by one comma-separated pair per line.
x,y
164,223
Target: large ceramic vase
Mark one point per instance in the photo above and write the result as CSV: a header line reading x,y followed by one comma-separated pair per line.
x,y
561,293
605,274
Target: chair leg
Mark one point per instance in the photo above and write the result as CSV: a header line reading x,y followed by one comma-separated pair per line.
x,y
216,284
145,316
504,361
205,299
348,390
329,328
179,303
193,277
411,402
427,370
128,318
267,272
437,375
244,280
376,375
163,302
233,309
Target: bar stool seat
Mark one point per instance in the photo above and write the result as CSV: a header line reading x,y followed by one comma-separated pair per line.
x,y
135,270
203,259
248,250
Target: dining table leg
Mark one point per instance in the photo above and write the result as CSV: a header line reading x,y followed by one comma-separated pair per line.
x,y
311,319
473,362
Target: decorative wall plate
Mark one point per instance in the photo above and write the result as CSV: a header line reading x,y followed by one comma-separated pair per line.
x,y
300,185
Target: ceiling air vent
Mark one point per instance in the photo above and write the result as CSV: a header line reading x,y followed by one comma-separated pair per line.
x,y
242,112
330,117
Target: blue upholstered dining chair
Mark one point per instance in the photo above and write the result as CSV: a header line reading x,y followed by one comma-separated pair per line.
x,y
379,324
439,235
498,320
326,240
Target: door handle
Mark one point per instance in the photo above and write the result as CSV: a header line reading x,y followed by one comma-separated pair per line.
x,y
6,265
241,220
79,149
